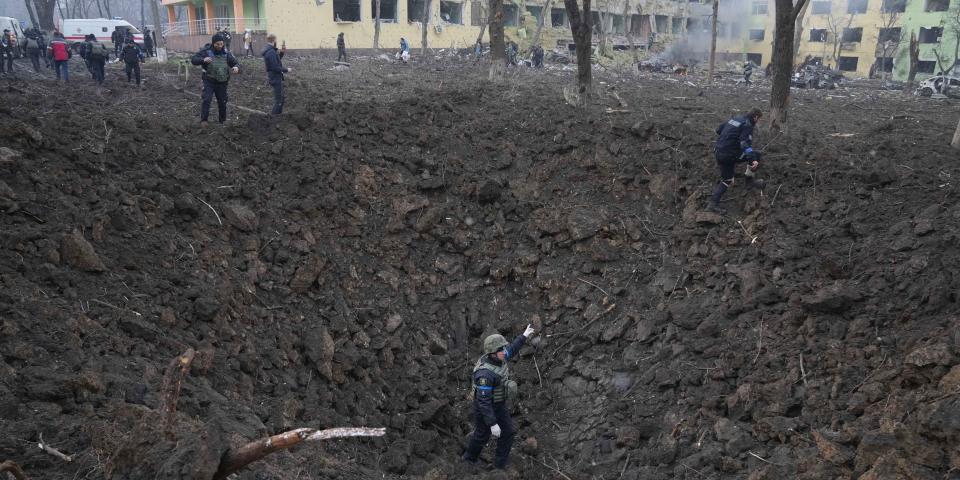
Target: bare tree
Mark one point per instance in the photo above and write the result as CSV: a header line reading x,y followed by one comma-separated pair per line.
x,y
914,61
628,29
580,28
786,21
836,26
540,21
485,15
798,35
602,31
157,30
888,20
376,26
713,40
498,52
45,9
426,27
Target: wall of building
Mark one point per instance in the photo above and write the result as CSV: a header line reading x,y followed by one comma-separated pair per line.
x,y
914,18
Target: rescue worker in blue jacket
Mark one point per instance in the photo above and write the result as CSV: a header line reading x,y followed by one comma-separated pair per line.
x,y
273,59
735,145
492,388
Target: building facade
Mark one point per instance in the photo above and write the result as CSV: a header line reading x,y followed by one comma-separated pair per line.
x,y
865,38
314,24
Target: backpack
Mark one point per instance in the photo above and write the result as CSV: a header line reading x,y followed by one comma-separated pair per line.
x,y
96,51
32,44
218,70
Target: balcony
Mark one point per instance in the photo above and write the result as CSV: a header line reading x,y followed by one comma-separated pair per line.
x,y
208,26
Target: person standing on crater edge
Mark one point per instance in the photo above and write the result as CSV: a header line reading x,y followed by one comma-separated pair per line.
x,y
492,388
217,65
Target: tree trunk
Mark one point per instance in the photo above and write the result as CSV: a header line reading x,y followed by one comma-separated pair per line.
x,y
580,28
157,29
602,48
376,27
956,137
786,16
486,22
543,15
60,9
914,60
143,16
498,52
33,16
628,28
713,41
425,29
99,9
106,4
44,9
798,32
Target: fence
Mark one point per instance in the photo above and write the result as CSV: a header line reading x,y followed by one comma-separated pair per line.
x,y
207,26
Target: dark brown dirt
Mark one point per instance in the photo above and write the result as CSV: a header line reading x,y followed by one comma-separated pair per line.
x,y
339,267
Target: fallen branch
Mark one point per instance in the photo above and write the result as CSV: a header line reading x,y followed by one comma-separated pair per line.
x,y
556,469
803,373
764,460
170,391
211,208
234,460
54,451
13,469
587,325
759,342
594,285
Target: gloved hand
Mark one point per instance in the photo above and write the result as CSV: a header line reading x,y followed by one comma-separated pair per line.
x,y
495,431
754,166
529,331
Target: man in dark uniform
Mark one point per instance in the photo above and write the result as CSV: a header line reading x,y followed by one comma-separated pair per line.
x,y
217,65
735,145
492,387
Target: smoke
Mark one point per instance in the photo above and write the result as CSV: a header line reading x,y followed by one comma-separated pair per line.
x,y
696,46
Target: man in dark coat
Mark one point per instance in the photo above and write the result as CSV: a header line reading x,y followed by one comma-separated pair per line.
x,y
273,60
735,145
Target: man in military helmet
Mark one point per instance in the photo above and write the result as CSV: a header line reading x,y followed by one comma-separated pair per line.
x,y
492,387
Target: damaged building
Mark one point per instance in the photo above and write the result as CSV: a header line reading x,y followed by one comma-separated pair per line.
x,y
863,38
314,24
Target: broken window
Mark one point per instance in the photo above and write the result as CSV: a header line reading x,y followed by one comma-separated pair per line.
x,y
677,25
818,34
346,10
759,7
388,10
937,6
535,12
856,6
930,35
884,64
756,34
451,12
756,58
893,6
847,64
511,15
415,10
661,21
478,14
891,35
618,27
558,17
851,35
926,66
639,24
821,8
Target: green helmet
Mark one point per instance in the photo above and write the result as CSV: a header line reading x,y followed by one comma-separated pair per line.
x,y
494,342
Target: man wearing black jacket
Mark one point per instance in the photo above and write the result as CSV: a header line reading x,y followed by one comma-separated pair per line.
x,y
217,65
273,59
132,58
735,145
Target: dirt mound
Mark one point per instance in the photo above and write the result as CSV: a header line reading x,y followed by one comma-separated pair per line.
x,y
340,265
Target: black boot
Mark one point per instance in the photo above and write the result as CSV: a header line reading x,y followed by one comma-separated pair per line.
x,y
714,204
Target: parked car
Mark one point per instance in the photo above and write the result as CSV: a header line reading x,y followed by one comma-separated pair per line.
x,y
936,83
12,24
75,29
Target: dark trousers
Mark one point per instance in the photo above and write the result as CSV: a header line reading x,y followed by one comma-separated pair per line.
x,y
481,433
117,48
150,51
209,90
727,164
64,66
6,57
341,54
277,97
34,59
746,77
133,68
97,68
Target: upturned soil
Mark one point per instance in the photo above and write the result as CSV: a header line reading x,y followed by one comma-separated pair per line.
x,y
340,265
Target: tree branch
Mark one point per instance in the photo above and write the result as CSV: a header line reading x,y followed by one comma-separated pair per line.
x,y
170,391
236,459
797,9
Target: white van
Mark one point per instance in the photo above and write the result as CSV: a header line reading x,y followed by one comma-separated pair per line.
x,y
75,29
12,24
